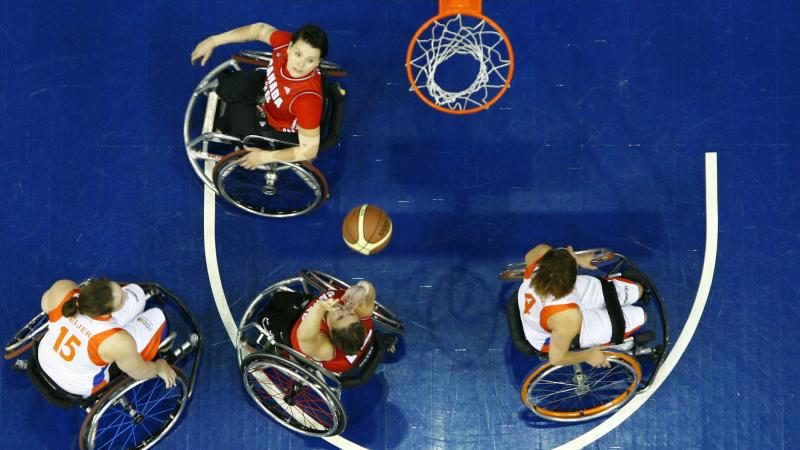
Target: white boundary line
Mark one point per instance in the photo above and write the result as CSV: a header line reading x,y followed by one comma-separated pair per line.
x,y
210,245
704,287
214,279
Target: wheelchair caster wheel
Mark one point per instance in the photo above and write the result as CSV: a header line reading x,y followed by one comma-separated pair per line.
x,y
20,365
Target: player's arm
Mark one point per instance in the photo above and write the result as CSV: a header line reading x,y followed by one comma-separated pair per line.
x,y
583,259
535,253
306,149
565,325
365,310
120,348
53,296
255,32
312,342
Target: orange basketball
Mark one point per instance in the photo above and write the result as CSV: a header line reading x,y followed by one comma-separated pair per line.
x,y
367,229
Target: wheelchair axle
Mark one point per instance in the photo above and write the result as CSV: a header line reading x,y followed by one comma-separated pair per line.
x,y
129,408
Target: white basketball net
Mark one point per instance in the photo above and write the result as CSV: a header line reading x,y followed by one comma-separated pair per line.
x,y
451,38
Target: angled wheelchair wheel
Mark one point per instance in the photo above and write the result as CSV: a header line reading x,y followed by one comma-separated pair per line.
x,y
580,392
292,395
382,316
23,339
134,414
272,190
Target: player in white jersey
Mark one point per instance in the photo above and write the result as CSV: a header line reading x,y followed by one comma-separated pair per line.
x,y
557,305
96,325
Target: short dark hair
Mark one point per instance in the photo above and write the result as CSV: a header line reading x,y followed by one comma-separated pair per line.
x,y
556,273
313,36
96,298
349,339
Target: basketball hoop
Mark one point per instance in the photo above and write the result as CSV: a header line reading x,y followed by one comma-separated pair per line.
x,y
460,29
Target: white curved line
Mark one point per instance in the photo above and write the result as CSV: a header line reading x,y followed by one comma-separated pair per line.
x,y
214,279
210,245
710,259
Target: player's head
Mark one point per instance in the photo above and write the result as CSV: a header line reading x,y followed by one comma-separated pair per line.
x,y
555,274
309,45
97,298
346,331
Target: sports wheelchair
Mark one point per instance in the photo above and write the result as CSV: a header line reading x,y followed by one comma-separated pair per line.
x,y
273,190
581,392
291,388
126,413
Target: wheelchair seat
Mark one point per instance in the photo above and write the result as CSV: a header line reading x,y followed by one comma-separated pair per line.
x,y
515,327
51,391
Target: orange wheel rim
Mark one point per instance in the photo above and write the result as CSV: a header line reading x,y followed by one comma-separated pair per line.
x,y
624,396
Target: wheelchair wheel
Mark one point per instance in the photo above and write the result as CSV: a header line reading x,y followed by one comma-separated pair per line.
x,y
272,190
23,339
580,392
382,316
134,414
292,395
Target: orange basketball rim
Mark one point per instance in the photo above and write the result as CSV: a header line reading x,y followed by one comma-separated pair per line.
x,y
425,54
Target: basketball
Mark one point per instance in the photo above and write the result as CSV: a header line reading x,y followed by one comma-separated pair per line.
x,y
367,229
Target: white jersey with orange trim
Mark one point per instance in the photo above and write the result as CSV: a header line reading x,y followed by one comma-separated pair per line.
x,y
535,311
68,352
587,296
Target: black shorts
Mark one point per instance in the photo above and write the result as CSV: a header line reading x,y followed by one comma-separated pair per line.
x,y
240,116
282,312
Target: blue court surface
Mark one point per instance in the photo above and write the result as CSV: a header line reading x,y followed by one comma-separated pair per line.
x,y
600,141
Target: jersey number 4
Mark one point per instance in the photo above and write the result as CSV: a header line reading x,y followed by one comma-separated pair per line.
x,y
529,302
68,349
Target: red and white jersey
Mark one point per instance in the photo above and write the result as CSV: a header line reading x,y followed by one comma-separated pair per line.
x,y
340,362
290,102
68,352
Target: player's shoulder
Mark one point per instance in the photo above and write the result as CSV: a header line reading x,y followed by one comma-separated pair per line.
x,y
279,39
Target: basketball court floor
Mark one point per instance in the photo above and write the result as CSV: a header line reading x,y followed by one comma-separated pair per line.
x,y
602,140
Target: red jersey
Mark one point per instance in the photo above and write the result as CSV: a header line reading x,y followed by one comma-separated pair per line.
x,y
340,362
290,102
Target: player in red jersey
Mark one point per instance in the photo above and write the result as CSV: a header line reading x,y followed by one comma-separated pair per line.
x,y
336,327
291,89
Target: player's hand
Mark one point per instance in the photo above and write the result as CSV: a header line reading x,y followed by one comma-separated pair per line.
x,y
583,260
597,358
328,305
166,373
255,158
203,50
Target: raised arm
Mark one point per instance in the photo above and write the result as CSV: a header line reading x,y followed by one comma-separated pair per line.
x,y
365,309
312,342
535,253
255,32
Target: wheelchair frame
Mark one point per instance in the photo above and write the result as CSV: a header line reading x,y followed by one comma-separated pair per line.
x,y
114,394
625,355
327,383
201,159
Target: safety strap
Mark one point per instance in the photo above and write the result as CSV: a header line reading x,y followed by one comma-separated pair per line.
x,y
614,311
